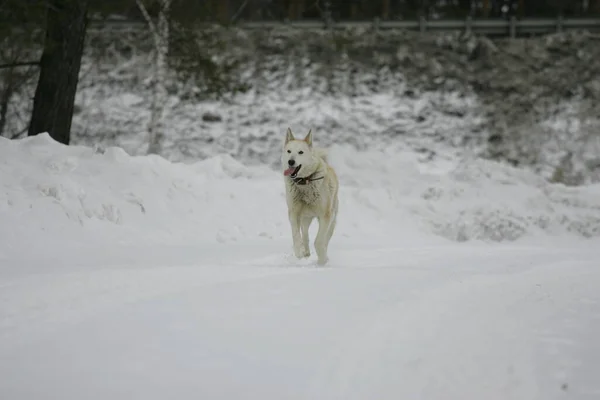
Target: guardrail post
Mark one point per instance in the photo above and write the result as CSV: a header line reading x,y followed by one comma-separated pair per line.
x,y
376,23
468,25
328,20
422,24
559,23
513,27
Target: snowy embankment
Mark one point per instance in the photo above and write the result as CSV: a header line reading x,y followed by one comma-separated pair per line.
x,y
135,278
60,195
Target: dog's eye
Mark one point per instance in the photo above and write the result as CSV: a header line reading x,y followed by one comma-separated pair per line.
x,y
300,152
289,151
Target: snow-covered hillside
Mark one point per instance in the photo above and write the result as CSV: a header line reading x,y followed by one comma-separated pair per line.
x,y
528,102
136,278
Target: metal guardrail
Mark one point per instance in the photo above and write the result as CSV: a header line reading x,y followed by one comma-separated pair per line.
x,y
497,27
501,27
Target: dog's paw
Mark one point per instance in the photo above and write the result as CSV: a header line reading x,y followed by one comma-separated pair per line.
x,y
299,253
322,260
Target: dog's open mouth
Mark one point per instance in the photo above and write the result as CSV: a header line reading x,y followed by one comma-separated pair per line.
x,y
293,172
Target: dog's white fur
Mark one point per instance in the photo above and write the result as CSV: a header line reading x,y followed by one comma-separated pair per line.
x,y
316,199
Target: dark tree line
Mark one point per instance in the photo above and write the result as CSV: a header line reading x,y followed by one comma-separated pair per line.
x,y
226,11
404,9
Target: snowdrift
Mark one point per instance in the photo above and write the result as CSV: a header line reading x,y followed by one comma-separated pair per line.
x,y
55,194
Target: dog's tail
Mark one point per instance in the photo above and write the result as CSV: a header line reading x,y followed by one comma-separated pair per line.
x,y
321,153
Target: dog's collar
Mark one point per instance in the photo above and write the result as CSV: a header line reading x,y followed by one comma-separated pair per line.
x,y
306,180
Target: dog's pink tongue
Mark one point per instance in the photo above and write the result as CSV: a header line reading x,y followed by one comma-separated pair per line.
x,y
288,171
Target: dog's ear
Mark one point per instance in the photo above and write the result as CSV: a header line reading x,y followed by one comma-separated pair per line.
x,y
289,136
308,138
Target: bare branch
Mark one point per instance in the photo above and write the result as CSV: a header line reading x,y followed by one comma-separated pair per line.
x,y
239,11
20,64
18,134
148,19
317,5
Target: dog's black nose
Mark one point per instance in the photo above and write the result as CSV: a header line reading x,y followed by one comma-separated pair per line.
x,y
291,163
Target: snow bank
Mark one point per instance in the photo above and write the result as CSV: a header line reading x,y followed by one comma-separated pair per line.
x,y
59,194
472,199
56,190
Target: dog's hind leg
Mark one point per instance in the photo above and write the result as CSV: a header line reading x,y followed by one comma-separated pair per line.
x,y
332,223
330,230
322,240
304,225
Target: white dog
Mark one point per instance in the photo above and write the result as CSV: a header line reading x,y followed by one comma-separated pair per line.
x,y
311,187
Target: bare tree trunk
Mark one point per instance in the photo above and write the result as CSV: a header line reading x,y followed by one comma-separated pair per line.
x,y
521,8
5,96
353,10
486,8
59,69
291,10
160,34
223,13
385,9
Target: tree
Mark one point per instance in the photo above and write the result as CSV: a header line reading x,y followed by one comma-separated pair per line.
x,y
18,61
160,36
13,76
295,9
66,23
385,9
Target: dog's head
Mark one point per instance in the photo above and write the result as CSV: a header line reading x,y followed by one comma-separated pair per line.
x,y
297,154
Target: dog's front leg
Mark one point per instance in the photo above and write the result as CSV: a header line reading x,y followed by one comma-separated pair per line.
x,y
296,237
304,226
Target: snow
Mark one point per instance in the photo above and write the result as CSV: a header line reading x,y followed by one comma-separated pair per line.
x,y
129,277
249,123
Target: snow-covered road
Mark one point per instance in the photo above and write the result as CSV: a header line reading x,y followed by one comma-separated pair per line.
x,y
248,322
128,278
